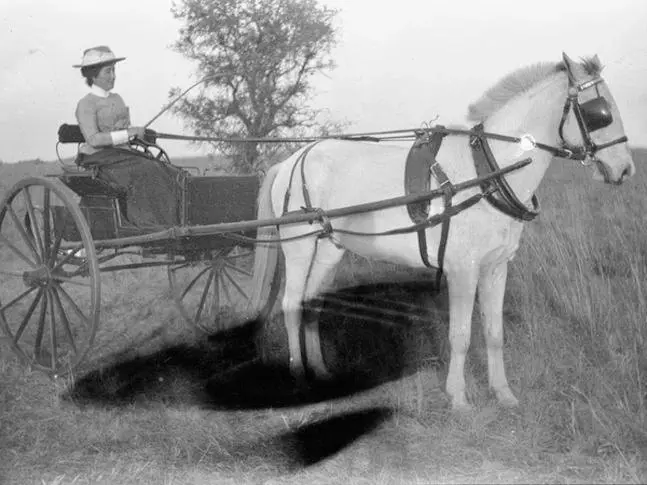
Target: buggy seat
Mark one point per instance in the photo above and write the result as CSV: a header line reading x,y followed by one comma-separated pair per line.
x,y
72,134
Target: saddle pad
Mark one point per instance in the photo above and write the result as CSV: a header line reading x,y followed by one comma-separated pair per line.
x,y
416,178
417,172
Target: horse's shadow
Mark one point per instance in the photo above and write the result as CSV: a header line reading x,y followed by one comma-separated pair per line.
x,y
370,334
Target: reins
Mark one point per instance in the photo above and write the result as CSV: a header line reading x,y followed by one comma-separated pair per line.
x,y
408,134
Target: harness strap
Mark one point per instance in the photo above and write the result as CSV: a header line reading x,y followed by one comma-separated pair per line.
x,y
448,194
304,187
485,163
420,167
433,146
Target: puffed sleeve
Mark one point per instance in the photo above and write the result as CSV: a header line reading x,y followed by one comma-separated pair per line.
x,y
86,117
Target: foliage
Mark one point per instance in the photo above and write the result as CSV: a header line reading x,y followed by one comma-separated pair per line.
x,y
260,56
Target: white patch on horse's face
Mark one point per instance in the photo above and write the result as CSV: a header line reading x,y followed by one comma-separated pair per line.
x,y
617,158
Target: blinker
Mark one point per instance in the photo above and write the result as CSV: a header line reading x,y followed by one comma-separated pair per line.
x,y
596,114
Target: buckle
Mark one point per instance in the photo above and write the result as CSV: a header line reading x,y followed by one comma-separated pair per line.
x,y
438,173
589,84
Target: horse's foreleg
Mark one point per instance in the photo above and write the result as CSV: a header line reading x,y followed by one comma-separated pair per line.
x,y
462,290
491,293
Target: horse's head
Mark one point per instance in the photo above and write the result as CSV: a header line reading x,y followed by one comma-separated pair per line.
x,y
591,124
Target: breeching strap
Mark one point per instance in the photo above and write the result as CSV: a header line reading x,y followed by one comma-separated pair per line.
x,y
322,218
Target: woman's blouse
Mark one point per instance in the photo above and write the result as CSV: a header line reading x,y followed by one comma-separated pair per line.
x,y
100,112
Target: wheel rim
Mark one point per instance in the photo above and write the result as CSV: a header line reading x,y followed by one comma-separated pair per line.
x,y
49,285
214,293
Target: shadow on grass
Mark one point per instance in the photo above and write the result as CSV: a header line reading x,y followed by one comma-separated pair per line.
x,y
371,334
312,443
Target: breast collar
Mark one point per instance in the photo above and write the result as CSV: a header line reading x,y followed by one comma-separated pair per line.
x,y
498,191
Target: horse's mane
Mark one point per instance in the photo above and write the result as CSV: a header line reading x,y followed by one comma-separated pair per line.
x,y
520,81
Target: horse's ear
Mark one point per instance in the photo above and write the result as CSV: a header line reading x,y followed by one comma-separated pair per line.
x,y
574,69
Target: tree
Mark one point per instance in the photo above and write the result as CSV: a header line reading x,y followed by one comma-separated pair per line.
x,y
262,55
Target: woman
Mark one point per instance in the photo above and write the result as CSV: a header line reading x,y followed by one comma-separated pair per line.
x,y
151,187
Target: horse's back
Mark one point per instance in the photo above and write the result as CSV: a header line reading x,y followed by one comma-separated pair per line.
x,y
339,173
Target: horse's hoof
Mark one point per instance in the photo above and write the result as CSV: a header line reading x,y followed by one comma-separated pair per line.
x,y
461,406
506,398
462,409
322,373
298,374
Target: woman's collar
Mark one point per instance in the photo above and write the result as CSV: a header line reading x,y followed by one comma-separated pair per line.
x,y
99,91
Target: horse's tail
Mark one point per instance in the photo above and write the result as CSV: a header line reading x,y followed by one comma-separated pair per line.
x,y
266,254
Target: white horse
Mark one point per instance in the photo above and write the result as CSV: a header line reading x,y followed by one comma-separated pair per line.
x,y
566,107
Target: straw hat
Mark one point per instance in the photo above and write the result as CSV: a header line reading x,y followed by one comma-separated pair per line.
x,y
98,55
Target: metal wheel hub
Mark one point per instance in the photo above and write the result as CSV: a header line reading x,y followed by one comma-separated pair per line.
x,y
39,277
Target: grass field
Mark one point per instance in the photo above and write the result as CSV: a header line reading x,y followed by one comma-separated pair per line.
x,y
159,412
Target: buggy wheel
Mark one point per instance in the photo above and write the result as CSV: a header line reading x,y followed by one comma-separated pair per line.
x,y
215,293
49,276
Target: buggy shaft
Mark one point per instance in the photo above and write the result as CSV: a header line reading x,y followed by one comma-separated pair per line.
x,y
178,232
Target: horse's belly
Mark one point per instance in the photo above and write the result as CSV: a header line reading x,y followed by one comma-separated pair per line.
x,y
398,249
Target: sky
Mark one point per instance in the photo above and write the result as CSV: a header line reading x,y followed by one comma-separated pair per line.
x,y
399,63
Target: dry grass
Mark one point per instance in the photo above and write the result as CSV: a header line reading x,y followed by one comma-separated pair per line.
x,y
575,333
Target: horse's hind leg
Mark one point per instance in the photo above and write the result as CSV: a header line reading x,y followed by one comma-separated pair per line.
x,y
298,259
491,292
322,272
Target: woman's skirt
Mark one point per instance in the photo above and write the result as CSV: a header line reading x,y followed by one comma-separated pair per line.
x,y
152,188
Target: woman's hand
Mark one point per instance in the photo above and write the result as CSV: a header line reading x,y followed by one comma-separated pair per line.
x,y
137,131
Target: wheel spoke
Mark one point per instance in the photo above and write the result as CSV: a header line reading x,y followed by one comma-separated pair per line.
x,y
236,285
23,234
47,236
215,302
64,320
225,289
17,299
194,281
74,306
203,298
11,273
71,281
18,252
41,325
34,222
238,269
180,266
27,317
55,248
238,256
52,330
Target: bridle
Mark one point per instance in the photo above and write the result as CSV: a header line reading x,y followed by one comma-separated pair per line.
x,y
591,116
